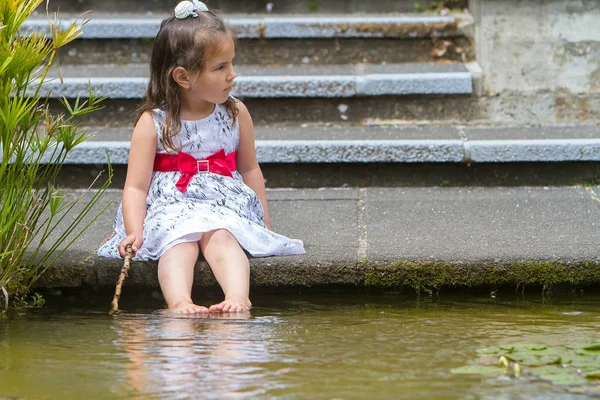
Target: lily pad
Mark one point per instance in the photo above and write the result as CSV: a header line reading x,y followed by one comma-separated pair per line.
x,y
535,361
586,365
595,375
574,367
559,375
591,346
524,347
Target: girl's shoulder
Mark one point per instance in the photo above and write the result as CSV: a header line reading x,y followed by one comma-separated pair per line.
x,y
157,114
145,126
146,118
240,107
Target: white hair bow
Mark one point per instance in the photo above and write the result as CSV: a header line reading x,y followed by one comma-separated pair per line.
x,y
188,9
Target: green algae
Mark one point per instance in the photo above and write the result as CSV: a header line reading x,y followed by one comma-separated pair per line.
x,y
431,277
425,277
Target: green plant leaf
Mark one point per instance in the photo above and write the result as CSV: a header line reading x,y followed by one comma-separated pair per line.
x,y
593,374
524,347
30,208
592,347
559,376
583,346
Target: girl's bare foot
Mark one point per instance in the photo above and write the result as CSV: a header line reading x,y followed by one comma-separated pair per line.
x,y
188,308
232,305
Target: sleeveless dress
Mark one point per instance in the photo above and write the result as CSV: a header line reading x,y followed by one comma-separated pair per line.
x,y
211,201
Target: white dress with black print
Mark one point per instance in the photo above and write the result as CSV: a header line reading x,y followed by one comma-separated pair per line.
x,y
211,201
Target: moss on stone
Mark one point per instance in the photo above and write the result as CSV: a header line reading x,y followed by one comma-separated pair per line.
x,y
57,275
433,276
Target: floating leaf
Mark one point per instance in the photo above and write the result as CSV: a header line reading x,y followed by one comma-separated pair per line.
x,y
594,346
524,346
559,376
534,361
586,365
575,367
593,374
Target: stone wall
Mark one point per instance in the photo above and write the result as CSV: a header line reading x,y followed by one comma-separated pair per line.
x,y
546,52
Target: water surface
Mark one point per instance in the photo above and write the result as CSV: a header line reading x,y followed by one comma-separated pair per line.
x,y
317,346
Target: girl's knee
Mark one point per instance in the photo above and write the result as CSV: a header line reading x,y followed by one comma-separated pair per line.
x,y
217,237
181,248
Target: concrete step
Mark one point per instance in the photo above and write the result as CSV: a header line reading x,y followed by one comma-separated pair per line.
x,y
426,155
392,239
311,51
280,40
442,109
141,26
249,6
332,81
388,144
299,94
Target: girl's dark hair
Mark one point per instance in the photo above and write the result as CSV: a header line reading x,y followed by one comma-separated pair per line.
x,y
186,43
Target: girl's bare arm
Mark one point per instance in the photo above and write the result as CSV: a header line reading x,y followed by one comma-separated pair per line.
x,y
247,165
139,174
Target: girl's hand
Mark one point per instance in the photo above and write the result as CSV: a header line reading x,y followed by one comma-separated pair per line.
x,y
135,240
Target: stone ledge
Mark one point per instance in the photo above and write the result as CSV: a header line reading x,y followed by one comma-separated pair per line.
x,y
271,27
388,238
279,84
381,151
422,276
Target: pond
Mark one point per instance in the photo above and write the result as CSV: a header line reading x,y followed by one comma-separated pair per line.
x,y
291,346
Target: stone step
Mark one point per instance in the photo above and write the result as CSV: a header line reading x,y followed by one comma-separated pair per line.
x,y
361,110
300,94
332,81
394,239
250,6
287,51
282,40
141,26
316,156
388,144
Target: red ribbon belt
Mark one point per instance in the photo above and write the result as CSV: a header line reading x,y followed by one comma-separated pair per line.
x,y
217,163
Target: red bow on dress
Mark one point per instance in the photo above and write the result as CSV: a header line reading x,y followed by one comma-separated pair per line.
x,y
218,163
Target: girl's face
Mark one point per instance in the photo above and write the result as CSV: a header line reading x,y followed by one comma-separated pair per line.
x,y
215,82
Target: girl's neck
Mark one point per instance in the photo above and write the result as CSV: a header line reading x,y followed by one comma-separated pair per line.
x,y
198,111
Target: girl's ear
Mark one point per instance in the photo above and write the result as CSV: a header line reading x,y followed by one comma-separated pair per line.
x,y
182,77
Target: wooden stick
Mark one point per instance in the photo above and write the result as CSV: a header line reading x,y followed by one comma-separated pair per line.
x,y
124,271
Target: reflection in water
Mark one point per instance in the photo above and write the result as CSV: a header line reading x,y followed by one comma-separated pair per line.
x,y
303,347
192,356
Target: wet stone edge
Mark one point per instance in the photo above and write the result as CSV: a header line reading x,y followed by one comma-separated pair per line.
x,y
284,272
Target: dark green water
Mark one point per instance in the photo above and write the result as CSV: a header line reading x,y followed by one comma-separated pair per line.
x,y
313,346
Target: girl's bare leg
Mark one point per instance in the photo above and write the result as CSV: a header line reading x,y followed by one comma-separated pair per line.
x,y
230,267
176,275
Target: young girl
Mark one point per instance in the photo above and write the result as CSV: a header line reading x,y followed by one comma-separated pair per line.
x,y
193,183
